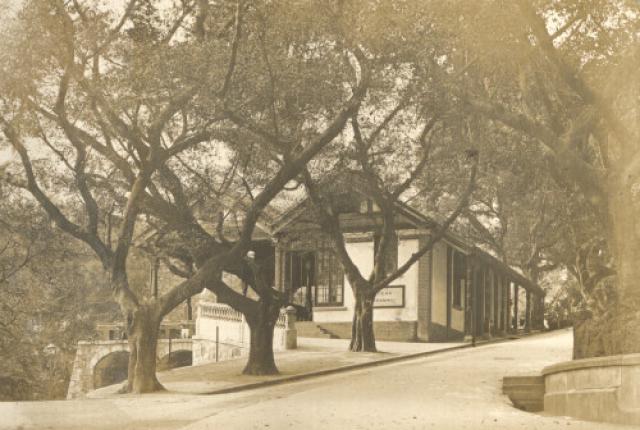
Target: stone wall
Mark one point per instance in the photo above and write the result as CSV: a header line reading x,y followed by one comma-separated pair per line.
x,y
596,389
89,353
207,351
397,331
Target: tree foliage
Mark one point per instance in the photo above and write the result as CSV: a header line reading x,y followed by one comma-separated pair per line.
x,y
122,102
47,306
566,81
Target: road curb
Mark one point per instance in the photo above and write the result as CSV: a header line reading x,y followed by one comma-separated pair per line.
x,y
357,366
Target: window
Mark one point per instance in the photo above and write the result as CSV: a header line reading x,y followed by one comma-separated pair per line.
x,y
315,273
327,295
368,206
392,253
329,288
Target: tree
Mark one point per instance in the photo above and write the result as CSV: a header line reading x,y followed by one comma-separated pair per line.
x,y
282,121
387,159
590,294
86,119
401,130
386,198
115,101
566,82
518,212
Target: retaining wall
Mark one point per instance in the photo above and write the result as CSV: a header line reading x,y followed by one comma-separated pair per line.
x,y
596,389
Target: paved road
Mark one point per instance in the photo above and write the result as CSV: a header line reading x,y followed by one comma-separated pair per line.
x,y
457,390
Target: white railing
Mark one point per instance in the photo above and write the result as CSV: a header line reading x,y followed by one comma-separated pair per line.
x,y
282,319
223,312
219,311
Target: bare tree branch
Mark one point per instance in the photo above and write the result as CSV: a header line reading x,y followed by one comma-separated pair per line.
x,y
439,233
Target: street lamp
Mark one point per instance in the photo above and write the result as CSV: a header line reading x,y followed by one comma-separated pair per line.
x,y
50,351
251,255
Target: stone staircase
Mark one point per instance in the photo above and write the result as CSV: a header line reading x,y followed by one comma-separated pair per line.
x,y
311,329
525,392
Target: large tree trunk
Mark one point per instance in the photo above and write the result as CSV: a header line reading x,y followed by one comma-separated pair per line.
x,y
616,331
592,336
143,326
261,359
362,335
624,239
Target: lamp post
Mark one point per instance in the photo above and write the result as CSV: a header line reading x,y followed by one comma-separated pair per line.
x,y
251,255
50,351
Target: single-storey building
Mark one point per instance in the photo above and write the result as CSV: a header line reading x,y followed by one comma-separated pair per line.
x,y
453,291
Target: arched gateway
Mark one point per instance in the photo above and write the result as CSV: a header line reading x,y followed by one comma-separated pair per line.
x,y
104,362
111,369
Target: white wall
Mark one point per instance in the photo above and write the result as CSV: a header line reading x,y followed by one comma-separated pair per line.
x,y
439,284
439,291
410,280
230,332
362,255
457,319
233,336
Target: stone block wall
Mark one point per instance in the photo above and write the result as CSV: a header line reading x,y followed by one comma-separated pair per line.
x,y
597,389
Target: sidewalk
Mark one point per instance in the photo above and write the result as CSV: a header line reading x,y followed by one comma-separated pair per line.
x,y
313,356
460,389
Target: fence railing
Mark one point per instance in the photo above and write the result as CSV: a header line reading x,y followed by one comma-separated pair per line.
x,y
219,311
282,319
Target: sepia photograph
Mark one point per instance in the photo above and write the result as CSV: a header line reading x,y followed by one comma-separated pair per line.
x,y
319,214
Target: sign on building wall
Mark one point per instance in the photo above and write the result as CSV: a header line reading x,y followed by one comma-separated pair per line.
x,y
390,297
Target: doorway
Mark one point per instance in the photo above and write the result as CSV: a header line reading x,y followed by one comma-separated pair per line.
x,y
300,281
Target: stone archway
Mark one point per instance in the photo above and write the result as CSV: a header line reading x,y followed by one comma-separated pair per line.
x,y
179,358
111,369
88,362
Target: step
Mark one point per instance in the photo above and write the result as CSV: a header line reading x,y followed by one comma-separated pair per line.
x,y
522,379
526,392
328,332
531,392
529,405
523,387
308,333
339,330
310,329
307,326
